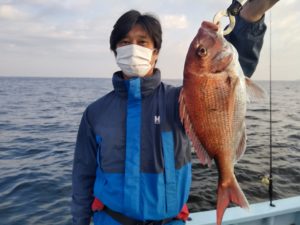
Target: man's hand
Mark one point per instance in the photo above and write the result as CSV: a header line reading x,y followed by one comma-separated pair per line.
x,y
254,10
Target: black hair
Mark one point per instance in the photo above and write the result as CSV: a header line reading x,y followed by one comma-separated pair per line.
x,y
125,23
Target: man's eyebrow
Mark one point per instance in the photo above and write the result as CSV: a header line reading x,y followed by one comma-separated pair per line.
x,y
144,36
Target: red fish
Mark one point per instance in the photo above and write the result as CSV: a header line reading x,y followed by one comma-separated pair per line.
x,y
213,108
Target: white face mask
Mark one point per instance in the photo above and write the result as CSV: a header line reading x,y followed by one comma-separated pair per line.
x,y
134,60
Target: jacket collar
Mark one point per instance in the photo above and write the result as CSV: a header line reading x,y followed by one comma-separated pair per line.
x,y
147,84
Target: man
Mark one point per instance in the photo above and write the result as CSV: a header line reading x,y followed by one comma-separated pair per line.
x,y
132,161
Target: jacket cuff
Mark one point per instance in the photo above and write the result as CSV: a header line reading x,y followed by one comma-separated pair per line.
x,y
250,28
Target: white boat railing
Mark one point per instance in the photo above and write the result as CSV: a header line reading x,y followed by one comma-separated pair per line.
x,y
285,212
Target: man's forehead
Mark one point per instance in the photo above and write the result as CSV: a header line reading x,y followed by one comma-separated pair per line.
x,y
138,31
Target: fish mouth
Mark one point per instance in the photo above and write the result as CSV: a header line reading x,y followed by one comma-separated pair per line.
x,y
209,26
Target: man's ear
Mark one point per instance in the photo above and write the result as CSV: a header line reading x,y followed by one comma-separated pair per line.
x,y
155,56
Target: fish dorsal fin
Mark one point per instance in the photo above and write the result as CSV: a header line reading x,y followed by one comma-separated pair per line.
x,y
202,154
241,147
254,91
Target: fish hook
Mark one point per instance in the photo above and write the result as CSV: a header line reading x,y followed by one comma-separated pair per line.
x,y
217,18
233,10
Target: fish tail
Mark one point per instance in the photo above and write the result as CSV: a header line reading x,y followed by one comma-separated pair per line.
x,y
227,193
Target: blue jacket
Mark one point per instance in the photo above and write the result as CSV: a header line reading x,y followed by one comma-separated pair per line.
x,y
132,152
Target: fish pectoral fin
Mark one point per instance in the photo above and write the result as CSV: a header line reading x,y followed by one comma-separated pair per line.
x,y
254,91
202,154
229,193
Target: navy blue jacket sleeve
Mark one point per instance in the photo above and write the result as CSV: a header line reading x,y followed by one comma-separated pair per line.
x,y
83,177
247,38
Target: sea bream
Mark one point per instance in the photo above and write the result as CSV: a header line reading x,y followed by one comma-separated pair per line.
x,y
213,109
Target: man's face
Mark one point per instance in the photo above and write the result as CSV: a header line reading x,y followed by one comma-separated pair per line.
x,y
138,36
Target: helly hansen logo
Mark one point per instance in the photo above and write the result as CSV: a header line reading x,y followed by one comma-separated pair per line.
x,y
156,119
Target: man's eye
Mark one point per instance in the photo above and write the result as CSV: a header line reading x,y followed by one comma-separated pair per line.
x,y
124,42
143,43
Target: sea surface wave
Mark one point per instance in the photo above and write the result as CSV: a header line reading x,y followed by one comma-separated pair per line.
x,y
39,118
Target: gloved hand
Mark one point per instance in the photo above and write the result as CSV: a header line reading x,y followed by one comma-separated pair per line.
x,y
254,10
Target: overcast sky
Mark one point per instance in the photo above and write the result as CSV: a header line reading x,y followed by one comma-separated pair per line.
x,y
70,38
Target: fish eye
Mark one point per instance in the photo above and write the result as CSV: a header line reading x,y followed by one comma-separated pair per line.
x,y
201,51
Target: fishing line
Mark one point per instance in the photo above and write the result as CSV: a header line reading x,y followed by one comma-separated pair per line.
x,y
270,85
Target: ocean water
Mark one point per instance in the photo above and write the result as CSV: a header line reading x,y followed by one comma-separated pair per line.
x,y
39,118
